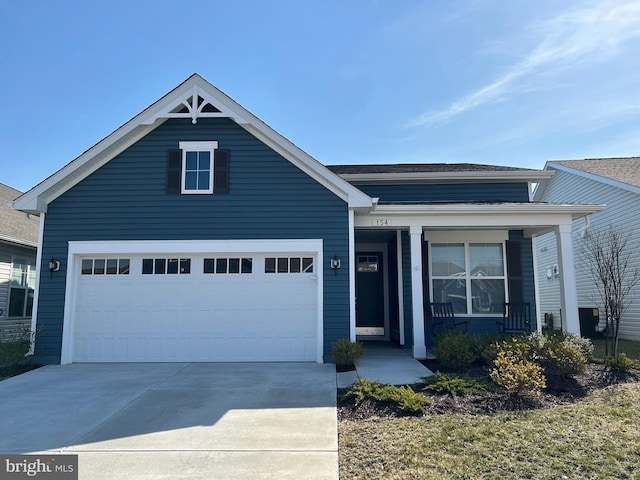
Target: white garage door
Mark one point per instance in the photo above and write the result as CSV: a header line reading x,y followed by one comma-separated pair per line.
x,y
203,307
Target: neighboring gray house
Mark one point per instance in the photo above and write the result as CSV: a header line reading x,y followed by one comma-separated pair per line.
x,y
195,232
614,182
18,245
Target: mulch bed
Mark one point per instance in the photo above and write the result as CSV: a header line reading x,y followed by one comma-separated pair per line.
x,y
559,391
17,369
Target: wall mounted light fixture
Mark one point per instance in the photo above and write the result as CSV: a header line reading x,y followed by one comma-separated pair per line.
x,y
335,264
54,266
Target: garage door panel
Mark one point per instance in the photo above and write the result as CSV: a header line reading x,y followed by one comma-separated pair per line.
x,y
196,317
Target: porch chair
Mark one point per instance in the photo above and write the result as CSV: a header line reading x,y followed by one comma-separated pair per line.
x,y
443,319
516,318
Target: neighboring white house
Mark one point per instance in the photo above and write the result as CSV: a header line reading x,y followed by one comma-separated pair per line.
x,y
614,182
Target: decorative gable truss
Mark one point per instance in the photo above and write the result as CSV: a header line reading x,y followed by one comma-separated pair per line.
x,y
194,104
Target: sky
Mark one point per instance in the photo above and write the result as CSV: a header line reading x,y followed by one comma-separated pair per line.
x,y
510,82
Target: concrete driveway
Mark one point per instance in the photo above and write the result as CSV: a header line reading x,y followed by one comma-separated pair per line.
x,y
170,420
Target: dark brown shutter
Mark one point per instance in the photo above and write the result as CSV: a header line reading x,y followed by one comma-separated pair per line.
x,y
174,172
514,271
221,171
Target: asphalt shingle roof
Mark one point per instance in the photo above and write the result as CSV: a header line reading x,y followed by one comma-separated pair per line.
x,y
15,226
421,168
625,170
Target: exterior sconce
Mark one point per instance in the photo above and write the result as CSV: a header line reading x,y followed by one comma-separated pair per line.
x,y
54,266
335,264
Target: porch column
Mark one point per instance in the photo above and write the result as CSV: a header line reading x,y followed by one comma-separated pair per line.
x,y
352,276
568,293
419,347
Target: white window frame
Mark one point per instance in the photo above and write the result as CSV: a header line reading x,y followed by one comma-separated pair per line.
x,y
30,267
467,238
197,147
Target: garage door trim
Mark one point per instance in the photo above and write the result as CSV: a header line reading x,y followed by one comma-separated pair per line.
x,y
79,249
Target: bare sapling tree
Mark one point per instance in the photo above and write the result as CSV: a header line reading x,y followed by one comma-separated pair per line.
x,y
609,262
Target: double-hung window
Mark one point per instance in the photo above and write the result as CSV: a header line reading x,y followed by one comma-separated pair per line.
x,y
197,166
472,275
22,284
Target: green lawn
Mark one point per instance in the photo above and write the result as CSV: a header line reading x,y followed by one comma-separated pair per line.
x,y
631,348
598,438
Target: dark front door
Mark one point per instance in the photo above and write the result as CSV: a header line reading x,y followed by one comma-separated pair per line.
x,y
369,294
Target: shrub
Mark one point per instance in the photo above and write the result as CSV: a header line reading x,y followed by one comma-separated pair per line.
x,y
537,342
485,347
622,363
562,358
346,352
14,345
584,345
489,346
410,401
514,371
456,384
406,399
455,349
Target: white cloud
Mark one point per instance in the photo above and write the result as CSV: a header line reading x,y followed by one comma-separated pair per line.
x,y
583,35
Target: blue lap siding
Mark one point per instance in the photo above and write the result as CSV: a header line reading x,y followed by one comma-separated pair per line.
x,y
269,198
450,192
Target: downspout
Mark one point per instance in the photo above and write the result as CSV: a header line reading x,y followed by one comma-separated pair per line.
x,y
583,230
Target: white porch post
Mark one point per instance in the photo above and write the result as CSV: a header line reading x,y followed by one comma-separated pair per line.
x,y
568,293
352,277
400,285
419,347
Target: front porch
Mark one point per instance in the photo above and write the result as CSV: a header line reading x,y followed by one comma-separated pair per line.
x,y
478,260
386,363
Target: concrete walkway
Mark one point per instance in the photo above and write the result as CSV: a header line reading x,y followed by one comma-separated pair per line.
x,y
177,420
385,363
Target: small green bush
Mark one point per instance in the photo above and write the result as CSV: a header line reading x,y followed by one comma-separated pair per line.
x,y
456,384
346,352
410,401
485,347
406,399
513,370
455,349
622,363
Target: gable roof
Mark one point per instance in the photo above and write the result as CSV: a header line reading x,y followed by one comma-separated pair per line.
x,y
437,172
621,172
16,227
625,170
194,98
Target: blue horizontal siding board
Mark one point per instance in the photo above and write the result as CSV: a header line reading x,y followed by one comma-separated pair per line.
x,y
462,192
269,198
528,272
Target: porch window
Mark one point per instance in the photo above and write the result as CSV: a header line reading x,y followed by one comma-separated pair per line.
x,y
472,276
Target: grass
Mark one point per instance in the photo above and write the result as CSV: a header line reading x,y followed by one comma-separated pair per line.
x,y
631,348
596,438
